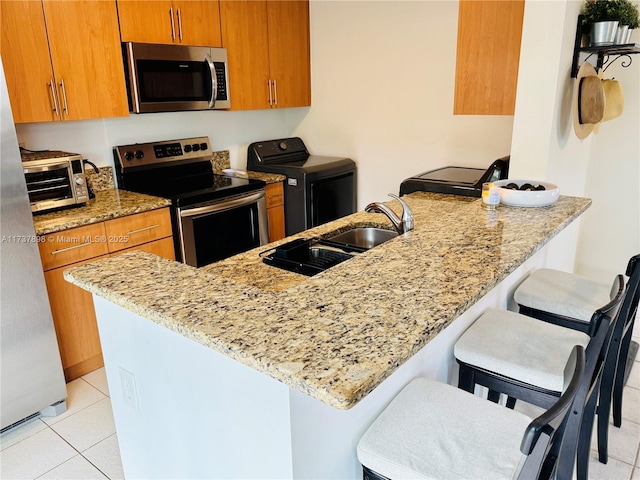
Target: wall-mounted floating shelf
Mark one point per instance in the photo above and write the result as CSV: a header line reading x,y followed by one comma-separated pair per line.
x,y
604,53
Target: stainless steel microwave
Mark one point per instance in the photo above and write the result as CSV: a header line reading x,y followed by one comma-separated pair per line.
x,y
171,78
54,179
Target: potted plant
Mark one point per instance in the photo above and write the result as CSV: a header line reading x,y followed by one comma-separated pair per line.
x,y
603,18
629,18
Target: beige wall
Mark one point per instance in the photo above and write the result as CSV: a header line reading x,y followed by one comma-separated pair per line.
x,y
382,83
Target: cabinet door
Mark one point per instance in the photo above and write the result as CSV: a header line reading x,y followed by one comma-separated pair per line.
x,y
289,52
87,58
75,323
274,193
26,61
147,21
244,35
198,22
162,248
137,229
488,56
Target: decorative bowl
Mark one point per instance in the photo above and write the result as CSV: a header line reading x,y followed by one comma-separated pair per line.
x,y
527,198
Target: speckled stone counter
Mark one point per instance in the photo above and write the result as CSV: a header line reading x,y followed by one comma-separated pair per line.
x,y
108,204
338,335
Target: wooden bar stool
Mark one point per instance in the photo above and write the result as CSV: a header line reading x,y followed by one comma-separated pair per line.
x,y
564,298
436,431
520,356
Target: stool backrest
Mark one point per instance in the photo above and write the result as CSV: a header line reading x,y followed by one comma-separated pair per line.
x,y
559,449
549,428
630,304
617,291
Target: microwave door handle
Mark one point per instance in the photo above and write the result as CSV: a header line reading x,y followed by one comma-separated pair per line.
x,y
214,81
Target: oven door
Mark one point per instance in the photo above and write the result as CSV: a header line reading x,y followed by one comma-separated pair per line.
x,y
213,231
49,186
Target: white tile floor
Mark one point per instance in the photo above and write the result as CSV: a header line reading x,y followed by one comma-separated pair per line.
x,y
82,444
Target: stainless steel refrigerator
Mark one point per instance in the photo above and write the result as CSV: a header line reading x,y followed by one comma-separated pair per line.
x,y
31,381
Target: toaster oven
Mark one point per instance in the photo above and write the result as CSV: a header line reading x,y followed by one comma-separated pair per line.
x,y
54,179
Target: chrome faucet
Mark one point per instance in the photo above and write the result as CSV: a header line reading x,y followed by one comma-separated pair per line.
x,y
402,225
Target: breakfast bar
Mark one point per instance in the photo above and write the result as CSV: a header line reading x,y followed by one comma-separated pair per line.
x,y
242,370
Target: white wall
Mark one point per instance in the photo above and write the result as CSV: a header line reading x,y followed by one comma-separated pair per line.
x,y
382,93
94,139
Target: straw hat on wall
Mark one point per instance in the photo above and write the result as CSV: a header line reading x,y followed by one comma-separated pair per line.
x,y
588,101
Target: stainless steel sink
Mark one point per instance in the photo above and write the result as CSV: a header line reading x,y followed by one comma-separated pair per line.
x,y
362,237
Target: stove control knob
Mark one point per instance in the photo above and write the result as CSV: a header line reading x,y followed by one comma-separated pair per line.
x,y
203,146
139,154
282,145
196,147
187,148
79,181
128,155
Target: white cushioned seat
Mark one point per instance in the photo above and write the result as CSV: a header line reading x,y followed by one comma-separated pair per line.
x,y
562,293
432,430
519,347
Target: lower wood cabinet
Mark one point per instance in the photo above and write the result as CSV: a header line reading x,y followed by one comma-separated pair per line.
x,y
72,307
275,210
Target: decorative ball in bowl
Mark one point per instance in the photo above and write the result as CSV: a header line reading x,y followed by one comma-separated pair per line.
x,y
527,193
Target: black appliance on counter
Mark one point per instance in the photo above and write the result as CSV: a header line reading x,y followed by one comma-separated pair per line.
x,y
317,189
213,216
456,180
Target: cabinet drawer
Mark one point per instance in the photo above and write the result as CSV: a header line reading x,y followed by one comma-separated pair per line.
x,y
274,192
137,229
73,245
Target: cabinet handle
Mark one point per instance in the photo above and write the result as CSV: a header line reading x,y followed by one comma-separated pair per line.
x,y
150,227
179,24
275,196
64,98
275,94
270,97
62,250
54,98
173,28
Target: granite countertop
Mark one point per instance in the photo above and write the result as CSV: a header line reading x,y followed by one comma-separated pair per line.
x,y
108,204
339,334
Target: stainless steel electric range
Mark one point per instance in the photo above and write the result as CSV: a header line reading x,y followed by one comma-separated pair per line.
x,y
213,216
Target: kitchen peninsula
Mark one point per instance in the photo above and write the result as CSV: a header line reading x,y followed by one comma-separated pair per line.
x,y
242,370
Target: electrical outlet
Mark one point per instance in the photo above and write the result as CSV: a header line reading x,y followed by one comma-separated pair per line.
x,y
128,383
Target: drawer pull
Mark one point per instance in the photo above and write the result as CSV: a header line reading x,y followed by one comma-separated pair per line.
x,y
62,250
150,227
275,196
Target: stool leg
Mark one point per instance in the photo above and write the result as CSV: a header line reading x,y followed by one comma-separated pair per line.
x,y
584,440
466,379
493,396
618,385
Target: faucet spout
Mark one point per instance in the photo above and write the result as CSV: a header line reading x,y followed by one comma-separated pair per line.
x,y
402,225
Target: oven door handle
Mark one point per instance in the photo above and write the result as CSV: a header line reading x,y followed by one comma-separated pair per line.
x,y
226,204
55,166
214,81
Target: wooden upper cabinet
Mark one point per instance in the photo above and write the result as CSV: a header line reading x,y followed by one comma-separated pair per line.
x,y
80,40
87,58
26,61
245,36
289,52
268,45
179,22
488,56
